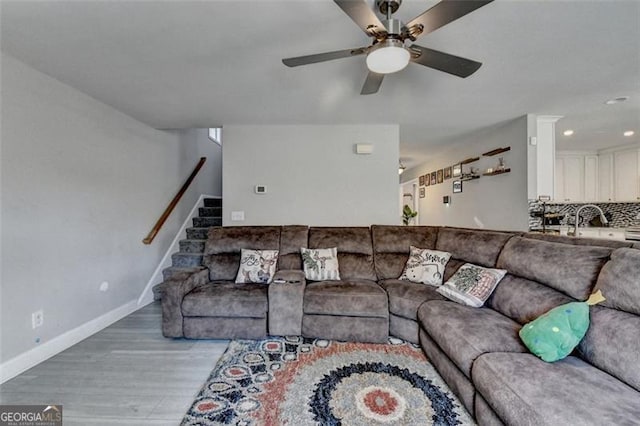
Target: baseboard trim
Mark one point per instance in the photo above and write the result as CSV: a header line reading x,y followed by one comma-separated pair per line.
x,y
35,356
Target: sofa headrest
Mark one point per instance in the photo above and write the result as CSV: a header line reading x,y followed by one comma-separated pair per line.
x,y
291,239
233,238
397,239
355,249
347,239
571,269
473,246
619,281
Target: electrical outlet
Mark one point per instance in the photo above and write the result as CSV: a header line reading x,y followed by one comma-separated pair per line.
x,y
37,319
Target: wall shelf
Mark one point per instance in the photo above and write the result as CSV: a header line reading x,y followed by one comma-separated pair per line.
x,y
466,178
496,172
469,160
496,151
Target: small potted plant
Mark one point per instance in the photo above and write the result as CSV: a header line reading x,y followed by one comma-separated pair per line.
x,y
408,214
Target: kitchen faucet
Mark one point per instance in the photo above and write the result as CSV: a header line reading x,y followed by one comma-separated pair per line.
x,y
603,219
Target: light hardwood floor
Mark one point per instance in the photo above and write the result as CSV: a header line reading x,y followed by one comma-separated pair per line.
x,y
127,374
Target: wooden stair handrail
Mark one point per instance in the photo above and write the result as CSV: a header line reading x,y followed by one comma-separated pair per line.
x,y
156,228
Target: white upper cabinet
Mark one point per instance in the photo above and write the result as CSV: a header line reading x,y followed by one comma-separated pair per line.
x,y
626,175
569,178
590,178
605,177
613,175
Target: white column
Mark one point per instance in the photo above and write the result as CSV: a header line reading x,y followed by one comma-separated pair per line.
x,y
546,154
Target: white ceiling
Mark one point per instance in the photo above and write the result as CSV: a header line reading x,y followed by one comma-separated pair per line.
x,y
180,64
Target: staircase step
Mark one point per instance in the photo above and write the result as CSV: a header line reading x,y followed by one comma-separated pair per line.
x,y
197,233
207,221
192,246
213,202
210,212
186,259
172,271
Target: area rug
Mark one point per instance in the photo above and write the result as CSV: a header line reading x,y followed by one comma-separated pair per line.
x,y
297,382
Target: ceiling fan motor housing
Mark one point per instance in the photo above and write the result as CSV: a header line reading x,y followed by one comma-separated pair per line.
x,y
388,5
394,28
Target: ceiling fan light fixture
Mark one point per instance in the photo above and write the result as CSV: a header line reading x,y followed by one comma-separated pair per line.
x,y
388,57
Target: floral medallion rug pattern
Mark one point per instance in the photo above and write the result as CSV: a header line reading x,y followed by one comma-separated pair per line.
x,y
296,381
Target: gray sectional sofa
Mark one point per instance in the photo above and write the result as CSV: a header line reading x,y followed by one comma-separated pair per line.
x,y
476,350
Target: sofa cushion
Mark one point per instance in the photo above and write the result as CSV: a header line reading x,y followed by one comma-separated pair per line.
x,y
257,266
471,285
524,300
405,297
425,266
391,246
522,389
222,249
292,238
355,249
227,299
570,269
619,281
554,335
464,333
320,264
358,298
612,343
479,247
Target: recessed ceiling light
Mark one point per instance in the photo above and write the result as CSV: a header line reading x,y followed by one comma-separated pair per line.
x,y
617,100
629,133
568,132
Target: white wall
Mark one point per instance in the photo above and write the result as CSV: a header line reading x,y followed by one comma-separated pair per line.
x,y
196,144
492,202
82,184
312,174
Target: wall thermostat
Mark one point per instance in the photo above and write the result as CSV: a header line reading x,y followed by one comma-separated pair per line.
x,y
261,189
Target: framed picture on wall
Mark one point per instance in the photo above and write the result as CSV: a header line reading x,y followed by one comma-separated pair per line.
x,y
421,192
440,176
457,186
447,172
427,180
433,178
421,180
456,170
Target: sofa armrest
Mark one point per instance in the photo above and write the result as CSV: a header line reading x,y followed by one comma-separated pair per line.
x,y
285,303
175,290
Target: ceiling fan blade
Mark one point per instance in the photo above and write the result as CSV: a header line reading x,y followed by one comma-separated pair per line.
x,y
443,13
445,62
372,83
321,57
360,12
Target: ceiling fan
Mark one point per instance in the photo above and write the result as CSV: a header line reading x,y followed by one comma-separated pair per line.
x,y
388,53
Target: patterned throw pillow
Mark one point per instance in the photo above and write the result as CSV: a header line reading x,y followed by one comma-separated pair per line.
x,y
257,266
471,285
320,264
425,266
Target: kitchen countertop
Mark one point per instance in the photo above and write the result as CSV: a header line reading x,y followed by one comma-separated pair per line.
x,y
591,231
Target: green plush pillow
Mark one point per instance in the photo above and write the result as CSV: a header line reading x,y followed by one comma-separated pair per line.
x,y
554,335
